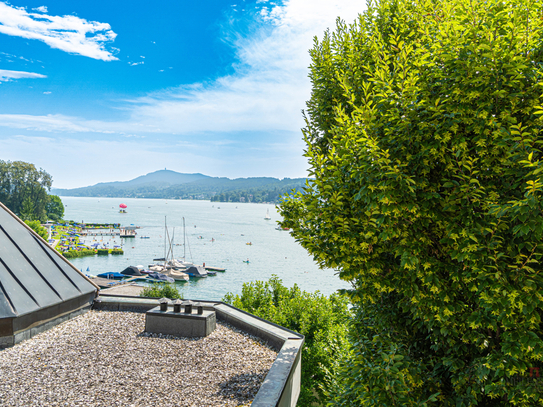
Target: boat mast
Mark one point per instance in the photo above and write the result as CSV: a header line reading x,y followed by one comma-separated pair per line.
x,y
171,243
184,245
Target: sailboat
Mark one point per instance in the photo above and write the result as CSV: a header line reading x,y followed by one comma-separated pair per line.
x,y
169,269
267,217
191,269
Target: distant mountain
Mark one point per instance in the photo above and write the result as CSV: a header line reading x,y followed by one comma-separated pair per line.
x,y
163,177
174,185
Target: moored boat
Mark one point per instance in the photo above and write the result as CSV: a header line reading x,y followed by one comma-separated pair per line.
x,y
196,271
111,275
177,275
162,277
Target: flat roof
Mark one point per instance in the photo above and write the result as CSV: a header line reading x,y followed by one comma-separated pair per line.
x,y
103,356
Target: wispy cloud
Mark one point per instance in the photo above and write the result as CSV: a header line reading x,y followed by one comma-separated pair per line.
x,y
270,84
67,33
6,75
266,92
41,9
69,124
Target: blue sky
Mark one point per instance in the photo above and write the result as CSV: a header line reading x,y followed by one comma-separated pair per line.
x,y
107,91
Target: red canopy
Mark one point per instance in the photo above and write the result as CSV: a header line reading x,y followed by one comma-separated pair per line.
x,y
123,206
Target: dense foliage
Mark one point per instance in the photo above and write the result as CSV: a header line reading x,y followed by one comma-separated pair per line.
x,y
268,193
322,320
36,226
162,290
54,208
23,189
424,138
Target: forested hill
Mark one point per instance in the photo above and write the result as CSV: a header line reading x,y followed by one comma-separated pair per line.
x,y
168,184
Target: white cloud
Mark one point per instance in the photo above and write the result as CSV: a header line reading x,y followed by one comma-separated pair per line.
x,y
132,136
270,85
47,93
67,33
42,123
6,75
266,93
70,124
136,63
41,9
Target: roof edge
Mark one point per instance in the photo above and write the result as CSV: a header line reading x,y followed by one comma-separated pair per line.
x,y
52,248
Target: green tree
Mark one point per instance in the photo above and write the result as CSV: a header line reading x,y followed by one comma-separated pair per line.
x,y
23,189
36,226
423,135
322,320
54,208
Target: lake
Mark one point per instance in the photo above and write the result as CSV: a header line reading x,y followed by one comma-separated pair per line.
x,y
217,234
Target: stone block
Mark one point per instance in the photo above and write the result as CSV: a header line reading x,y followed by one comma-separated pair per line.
x,y
180,324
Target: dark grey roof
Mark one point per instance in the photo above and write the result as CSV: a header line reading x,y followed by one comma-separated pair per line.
x,y
33,275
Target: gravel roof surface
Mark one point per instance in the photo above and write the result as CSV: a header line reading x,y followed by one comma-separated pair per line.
x,y
105,358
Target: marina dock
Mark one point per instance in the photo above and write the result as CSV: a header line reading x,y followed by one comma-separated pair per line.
x,y
110,282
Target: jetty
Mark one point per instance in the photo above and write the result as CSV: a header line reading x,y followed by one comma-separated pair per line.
x,y
124,231
110,282
100,232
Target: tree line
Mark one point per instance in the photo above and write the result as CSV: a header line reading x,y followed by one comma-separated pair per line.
x,y
257,195
24,190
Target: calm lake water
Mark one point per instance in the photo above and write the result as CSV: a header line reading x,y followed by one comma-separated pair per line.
x,y
217,234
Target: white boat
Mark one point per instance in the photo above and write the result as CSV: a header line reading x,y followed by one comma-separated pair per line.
x,y
177,275
267,217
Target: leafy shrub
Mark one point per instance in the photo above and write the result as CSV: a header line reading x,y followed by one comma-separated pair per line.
x,y
36,226
162,290
102,252
117,251
69,254
424,136
322,320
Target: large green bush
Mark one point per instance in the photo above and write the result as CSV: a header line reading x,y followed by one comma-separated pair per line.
x,y
36,226
162,290
322,320
424,140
